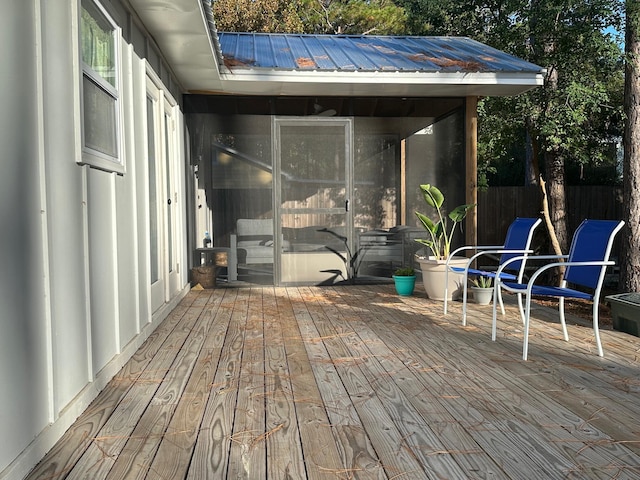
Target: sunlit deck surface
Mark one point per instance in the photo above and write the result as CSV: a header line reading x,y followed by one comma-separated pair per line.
x,y
356,382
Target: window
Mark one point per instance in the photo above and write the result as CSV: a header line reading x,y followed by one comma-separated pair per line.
x,y
100,89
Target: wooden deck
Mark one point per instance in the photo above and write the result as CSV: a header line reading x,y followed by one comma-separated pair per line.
x,y
356,382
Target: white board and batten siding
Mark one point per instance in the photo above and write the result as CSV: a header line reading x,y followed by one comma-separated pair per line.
x,y
74,240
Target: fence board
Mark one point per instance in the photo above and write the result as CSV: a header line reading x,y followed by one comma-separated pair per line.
x,y
498,206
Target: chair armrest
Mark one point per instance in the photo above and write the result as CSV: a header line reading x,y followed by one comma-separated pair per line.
x,y
473,247
548,266
529,257
533,257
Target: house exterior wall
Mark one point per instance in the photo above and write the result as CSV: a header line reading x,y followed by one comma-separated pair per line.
x,y
74,242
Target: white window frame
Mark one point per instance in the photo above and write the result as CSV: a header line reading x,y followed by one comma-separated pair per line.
x,y
90,156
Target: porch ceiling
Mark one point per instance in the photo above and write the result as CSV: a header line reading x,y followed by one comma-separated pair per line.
x,y
309,65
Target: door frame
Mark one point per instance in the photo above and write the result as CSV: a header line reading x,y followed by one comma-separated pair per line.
x,y
310,121
167,164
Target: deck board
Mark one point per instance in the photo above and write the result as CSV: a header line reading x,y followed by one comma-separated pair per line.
x,y
358,383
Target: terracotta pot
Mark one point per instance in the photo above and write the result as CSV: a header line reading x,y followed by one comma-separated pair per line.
x,y
433,277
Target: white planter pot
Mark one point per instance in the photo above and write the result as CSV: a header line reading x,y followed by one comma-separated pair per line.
x,y
482,296
433,277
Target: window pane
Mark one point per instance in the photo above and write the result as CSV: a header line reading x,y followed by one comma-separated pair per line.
x,y
167,156
313,166
98,42
153,193
99,119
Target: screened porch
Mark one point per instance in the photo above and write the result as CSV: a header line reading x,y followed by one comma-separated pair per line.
x,y
321,190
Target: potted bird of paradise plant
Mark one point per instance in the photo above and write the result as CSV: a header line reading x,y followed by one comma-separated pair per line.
x,y
441,231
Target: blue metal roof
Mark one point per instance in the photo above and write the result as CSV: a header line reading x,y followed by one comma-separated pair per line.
x,y
365,53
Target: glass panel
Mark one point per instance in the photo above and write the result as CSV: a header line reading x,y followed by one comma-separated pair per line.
x,y
436,155
313,167
313,161
377,158
236,173
377,196
393,156
167,155
99,119
98,42
153,192
315,249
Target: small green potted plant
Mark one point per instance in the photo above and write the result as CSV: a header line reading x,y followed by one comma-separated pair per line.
x,y
439,243
405,281
482,288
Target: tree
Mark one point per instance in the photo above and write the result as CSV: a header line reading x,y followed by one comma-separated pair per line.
x,y
574,116
380,17
630,264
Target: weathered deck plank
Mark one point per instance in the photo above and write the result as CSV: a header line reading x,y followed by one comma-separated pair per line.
x,y
284,447
384,433
174,453
322,458
359,459
456,440
357,383
248,455
210,454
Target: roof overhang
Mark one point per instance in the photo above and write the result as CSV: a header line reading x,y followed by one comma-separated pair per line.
x,y
185,32
181,30
415,84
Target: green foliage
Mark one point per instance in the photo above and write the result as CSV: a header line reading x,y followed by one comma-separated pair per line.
x,y
257,16
577,114
405,272
482,282
440,233
380,17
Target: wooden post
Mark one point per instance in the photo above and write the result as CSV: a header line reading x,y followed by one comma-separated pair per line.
x,y
471,156
403,182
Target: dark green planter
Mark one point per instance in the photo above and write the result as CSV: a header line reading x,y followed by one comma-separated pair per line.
x,y
404,284
625,310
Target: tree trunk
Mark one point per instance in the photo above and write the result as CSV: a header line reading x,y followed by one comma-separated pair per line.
x,y
556,274
532,171
556,191
630,262
553,159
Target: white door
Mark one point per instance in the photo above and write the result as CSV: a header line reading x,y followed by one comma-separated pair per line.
x,y
171,214
163,165
155,173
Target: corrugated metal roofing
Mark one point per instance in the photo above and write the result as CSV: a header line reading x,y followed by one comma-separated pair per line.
x,y
364,53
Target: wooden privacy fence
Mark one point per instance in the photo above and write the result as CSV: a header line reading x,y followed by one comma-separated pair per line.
x,y
498,206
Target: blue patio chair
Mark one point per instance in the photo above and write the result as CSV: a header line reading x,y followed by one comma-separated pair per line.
x,y
585,268
516,243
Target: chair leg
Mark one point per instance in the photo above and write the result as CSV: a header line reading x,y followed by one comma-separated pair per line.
x,y
446,287
497,294
464,298
527,320
501,302
520,307
563,322
596,330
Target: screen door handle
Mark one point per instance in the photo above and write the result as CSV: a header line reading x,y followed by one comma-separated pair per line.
x,y
346,205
